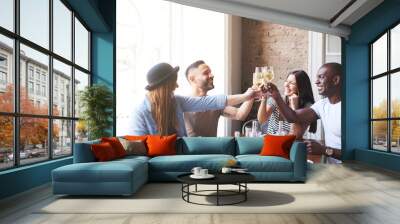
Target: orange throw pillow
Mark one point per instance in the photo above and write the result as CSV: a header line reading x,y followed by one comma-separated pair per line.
x,y
135,137
277,145
161,145
116,145
103,152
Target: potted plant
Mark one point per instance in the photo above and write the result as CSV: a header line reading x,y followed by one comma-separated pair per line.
x,y
96,102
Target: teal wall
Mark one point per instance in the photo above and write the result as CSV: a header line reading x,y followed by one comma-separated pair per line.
x,y
99,16
356,91
103,53
24,178
380,159
102,66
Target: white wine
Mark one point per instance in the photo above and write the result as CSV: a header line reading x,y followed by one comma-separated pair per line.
x,y
257,79
268,76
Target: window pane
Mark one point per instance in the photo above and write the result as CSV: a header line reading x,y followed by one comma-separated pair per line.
x,y
62,138
395,95
62,89
379,135
395,47
81,131
35,21
333,44
33,139
81,45
379,98
34,72
62,29
81,81
395,138
7,14
379,55
6,142
6,74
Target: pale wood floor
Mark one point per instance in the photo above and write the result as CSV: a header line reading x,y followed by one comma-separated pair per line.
x,y
377,188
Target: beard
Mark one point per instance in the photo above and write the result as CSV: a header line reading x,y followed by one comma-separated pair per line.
x,y
207,85
210,86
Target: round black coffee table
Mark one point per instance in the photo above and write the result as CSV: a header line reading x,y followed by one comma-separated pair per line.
x,y
238,179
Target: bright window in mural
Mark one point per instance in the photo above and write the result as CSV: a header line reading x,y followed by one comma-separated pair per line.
x,y
172,36
40,123
385,96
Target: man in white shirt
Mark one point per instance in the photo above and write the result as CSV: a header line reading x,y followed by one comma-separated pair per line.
x,y
329,80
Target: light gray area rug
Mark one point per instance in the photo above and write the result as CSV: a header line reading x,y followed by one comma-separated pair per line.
x,y
166,198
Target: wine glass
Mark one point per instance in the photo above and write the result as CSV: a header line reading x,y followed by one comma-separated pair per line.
x,y
258,79
268,74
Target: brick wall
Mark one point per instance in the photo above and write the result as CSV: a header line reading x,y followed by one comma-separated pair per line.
x,y
284,48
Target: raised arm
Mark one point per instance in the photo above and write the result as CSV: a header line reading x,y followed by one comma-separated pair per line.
x,y
201,103
264,111
305,115
216,102
239,98
240,113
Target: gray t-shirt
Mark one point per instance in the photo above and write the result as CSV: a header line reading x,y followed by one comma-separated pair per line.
x,y
203,123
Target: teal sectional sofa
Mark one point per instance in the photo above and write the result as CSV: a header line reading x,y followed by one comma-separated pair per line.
x,y
125,176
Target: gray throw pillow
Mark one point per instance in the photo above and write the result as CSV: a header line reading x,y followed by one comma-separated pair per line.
x,y
137,147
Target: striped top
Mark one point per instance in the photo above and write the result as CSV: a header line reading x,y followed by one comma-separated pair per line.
x,y
273,121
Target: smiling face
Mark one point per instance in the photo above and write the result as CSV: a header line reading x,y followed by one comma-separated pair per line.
x,y
291,86
326,82
202,77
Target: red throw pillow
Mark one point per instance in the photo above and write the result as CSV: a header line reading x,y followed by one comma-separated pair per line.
x,y
161,145
277,145
116,145
103,151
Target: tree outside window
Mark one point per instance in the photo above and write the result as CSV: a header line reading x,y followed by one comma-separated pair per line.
x,y
385,97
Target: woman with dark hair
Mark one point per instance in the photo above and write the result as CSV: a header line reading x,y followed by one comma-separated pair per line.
x,y
298,94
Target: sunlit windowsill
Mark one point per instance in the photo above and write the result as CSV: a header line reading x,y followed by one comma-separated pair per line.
x,y
30,166
384,152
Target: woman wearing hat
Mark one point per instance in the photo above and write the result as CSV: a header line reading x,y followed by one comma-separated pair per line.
x,y
161,112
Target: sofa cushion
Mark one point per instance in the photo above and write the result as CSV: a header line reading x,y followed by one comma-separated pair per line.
x,y
136,137
111,171
206,145
257,163
185,163
134,147
93,172
83,152
116,145
131,158
277,145
247,145
103,152
161,145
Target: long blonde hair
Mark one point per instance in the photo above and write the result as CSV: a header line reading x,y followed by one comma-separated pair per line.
x,y
163,107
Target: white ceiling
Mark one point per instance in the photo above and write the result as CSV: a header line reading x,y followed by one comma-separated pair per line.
x,y
319,9
316,15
